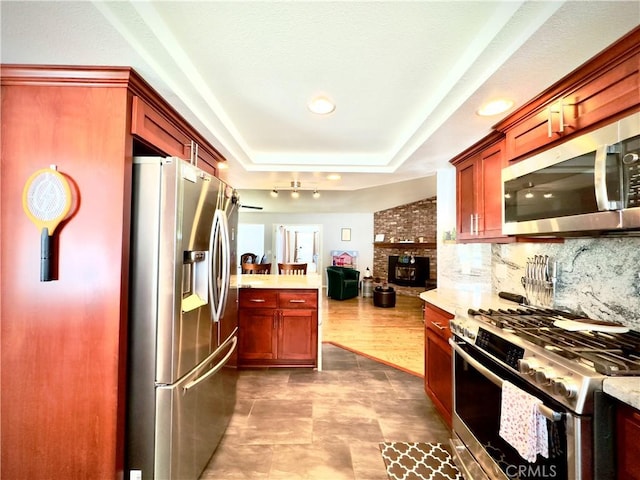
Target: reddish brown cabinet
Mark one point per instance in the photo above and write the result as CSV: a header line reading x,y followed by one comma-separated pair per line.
x,y
64,343
437,360
479,186
278,327
603,88
628,447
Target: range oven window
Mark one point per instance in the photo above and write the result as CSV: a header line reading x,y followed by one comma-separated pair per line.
x,y
477,402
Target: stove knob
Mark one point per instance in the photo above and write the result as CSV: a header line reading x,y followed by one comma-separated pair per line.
x,y
526,366
563,388
469,333
543,377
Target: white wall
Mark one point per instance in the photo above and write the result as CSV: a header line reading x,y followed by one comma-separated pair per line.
x,y
361,225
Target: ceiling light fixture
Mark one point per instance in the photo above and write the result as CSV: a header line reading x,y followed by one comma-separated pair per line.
x,y
334,176
316,194
321,105
274,193
295,185
495,107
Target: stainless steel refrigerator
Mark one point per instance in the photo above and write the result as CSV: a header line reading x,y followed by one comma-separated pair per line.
x,y
183,319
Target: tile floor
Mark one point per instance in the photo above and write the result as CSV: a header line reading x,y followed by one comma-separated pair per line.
x,y
300,424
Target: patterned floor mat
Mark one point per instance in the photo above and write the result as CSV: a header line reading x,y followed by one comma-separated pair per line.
x,y
418,461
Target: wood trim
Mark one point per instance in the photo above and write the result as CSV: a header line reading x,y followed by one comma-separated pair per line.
x,y
487,142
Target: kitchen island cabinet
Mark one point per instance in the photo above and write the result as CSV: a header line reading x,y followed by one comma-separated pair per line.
x,y
278,328
438,381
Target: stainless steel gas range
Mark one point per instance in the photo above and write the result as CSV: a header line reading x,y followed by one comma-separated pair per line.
x,y
560,359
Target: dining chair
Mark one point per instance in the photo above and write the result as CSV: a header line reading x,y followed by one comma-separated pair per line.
x,y
249,258
256,268
292,268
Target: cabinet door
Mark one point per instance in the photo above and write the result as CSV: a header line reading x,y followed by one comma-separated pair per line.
x,y
438,374
605,96
467,205
256,334
627,434
438,383
531,133
156,130
490,169
298,335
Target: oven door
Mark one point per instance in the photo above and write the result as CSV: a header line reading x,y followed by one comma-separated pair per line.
x,y
476,423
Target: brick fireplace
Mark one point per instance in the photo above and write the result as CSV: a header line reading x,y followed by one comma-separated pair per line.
x,y
402,227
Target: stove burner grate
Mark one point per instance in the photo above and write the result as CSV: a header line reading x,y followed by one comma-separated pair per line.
x,y
612,354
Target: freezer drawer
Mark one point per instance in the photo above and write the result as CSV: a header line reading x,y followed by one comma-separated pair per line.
x,y
191,417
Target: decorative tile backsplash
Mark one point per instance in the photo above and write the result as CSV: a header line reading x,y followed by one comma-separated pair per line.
x,y
597,277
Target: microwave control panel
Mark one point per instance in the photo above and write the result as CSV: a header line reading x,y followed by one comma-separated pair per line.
x,y
631,171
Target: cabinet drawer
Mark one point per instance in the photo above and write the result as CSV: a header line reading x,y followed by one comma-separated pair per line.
x,y
258,298
298,299
437,321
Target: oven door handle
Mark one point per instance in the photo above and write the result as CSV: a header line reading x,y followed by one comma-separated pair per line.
x,y
496,380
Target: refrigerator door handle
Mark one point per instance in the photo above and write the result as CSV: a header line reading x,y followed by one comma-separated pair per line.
x,y
219,265
214,370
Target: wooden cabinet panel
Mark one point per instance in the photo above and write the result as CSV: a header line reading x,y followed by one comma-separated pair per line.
x,y
298,299
63,343
466,194
628,447
256,337
491,163
613,92
298,334
155,129
258,298
478,194
278,327
601,90
438,373
438,381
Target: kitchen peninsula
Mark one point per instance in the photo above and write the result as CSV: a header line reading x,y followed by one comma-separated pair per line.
x,y
278,321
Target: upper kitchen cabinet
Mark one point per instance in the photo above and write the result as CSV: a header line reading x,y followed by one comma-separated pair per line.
x,y
478,195
606,87
63,346
158,126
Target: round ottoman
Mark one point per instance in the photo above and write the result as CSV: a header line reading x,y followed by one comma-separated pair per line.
x,y
384,297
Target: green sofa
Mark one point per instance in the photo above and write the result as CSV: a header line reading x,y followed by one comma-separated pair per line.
x,y
342,282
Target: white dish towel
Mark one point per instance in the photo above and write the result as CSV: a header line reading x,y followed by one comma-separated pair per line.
x,y
521,424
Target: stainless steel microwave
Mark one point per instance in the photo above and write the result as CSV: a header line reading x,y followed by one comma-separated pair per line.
x,y
588,184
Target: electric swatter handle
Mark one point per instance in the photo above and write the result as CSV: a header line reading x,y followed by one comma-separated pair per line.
x,y
46,251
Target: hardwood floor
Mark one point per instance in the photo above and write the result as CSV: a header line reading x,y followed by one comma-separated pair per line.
x,y
392,335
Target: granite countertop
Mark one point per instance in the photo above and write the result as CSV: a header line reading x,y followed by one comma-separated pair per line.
x,y
625,389
311,280
457,302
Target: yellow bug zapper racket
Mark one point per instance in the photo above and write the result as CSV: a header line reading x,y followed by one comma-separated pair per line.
x,y
46,199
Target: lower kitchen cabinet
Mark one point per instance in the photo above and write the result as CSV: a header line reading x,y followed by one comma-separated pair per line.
x,y
437,360
278,328
628,448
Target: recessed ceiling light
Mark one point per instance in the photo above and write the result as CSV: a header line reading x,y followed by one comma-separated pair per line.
x,y
223,165
333,176
321,105
495,107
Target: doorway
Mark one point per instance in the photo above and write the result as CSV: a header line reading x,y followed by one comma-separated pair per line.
x,y
298,244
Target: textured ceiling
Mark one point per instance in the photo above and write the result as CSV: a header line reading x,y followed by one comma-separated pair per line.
x,y
407,77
